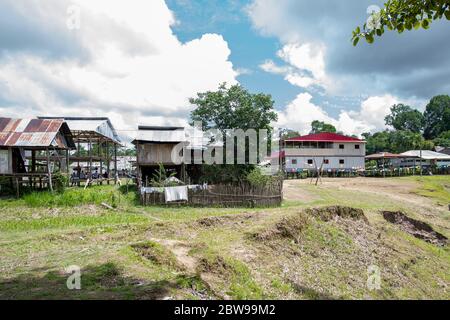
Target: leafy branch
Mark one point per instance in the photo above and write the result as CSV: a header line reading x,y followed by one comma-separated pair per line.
x,y
401,15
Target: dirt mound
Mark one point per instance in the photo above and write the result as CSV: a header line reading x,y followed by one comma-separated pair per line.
x,y
218,221
155,253
217,265
287,228
418,229
329,213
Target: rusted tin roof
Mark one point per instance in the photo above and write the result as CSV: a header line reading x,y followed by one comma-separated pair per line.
x,y
35,133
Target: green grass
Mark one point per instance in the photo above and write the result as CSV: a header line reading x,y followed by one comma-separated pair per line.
x,y
42,233
435,187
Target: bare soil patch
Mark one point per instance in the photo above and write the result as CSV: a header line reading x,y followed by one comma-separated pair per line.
x,y
330,213
287,228
418,229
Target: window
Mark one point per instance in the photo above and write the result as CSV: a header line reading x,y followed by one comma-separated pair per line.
x,y
326,161
294,161
310,161
341,161
341,146
357,146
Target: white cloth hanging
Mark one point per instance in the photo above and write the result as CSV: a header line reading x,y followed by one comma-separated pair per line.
x,y
176,193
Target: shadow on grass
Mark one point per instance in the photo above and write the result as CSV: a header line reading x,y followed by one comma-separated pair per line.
x,y
311,293
101,282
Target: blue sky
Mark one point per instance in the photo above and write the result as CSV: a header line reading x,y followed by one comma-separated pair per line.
x,y
140,63
248,47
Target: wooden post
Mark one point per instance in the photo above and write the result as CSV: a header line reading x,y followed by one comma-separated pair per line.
x,y
17,188
115,163
108,160
90,157
68,166
421,162
49,171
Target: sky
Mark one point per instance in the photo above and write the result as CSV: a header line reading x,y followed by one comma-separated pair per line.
x,y
139,61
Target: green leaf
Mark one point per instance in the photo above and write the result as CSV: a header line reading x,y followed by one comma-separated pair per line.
x,y
400,28
417,25
358,30
355,41
425,24
447,14
369,38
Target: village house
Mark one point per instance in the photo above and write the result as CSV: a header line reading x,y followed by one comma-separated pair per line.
x,y
96,143
329,151
31,150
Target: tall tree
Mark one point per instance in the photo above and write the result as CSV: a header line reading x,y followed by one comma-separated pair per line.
x,y
233,108
401,15
437,116
395,141
320,126
443,140
404,117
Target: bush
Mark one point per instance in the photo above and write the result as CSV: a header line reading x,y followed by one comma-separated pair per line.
x,y
60,182
257,179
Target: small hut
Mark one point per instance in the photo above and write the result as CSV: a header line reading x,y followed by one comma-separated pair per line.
x,y
31,150
96,143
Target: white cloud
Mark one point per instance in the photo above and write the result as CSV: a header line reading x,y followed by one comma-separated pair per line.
x,y
134,67
300,113
305,65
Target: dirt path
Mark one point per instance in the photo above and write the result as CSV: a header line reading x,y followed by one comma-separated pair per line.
x,y
181,253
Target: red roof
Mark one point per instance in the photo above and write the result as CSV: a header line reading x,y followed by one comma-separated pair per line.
x,y
326,137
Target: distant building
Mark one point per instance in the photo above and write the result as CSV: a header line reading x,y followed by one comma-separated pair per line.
x,y
330,151
445,150
426,157
97,142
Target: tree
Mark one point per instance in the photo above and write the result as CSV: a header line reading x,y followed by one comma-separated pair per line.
x,y
437,116
395,141
443,140
404,117
320,126
233,108
289,134
401,15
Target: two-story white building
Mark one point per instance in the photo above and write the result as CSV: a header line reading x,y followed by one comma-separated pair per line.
x,y
330,151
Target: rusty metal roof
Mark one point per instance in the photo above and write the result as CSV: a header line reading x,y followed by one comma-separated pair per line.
x,y
35,133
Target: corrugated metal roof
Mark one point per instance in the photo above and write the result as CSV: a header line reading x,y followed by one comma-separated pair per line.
x,y
35,133
384,155
168,136
100,125
426,155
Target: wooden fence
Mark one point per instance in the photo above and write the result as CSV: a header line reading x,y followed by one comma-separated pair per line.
x,y
243,195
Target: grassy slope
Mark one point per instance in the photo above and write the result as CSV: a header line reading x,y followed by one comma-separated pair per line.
x,y
40,236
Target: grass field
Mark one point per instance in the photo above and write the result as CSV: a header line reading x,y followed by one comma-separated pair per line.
x,y
137,252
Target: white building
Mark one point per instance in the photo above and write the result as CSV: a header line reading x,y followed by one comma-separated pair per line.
x,y
330,151
413,157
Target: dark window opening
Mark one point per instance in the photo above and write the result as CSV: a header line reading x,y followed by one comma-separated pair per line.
x,y
342,161
310,161
294,161
326,161
341,146
357,146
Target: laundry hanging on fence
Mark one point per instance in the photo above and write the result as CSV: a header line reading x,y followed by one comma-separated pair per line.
x,y
176,194
145,190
